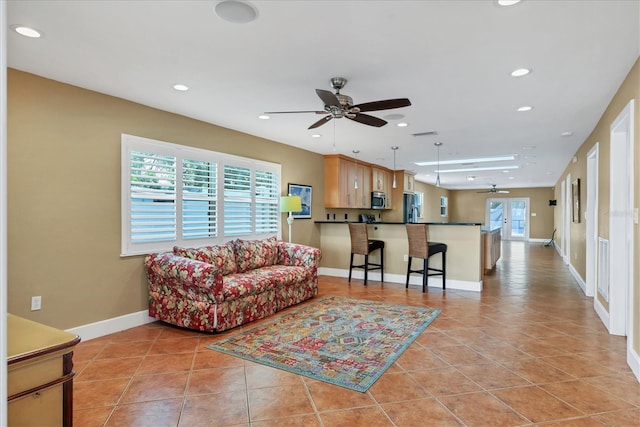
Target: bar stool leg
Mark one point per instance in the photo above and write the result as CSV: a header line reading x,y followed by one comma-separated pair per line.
x,y
381,264
408,272
425,275
366,268
350,267
444,270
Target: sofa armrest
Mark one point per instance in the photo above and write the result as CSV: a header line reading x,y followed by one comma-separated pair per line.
x,y
187,273
298,255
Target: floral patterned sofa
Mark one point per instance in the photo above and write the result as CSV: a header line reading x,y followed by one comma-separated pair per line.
x,y
215,288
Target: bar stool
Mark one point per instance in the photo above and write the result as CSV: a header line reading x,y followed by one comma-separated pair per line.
x,y
421,247
361,245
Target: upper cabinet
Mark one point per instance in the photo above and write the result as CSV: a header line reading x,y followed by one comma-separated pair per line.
x,y
380,179
409,182
347,182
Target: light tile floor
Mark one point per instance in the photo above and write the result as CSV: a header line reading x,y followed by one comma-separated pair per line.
x,y
528,350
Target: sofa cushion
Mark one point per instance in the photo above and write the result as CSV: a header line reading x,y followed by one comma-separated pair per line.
x,y
252,254
221,256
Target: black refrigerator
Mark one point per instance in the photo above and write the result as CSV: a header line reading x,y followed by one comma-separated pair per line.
x,y
409,208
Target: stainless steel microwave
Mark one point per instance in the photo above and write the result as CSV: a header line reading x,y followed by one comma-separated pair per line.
x,y
378,200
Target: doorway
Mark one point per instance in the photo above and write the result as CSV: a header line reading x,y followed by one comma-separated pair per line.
x,y
511,215
621,223
591,218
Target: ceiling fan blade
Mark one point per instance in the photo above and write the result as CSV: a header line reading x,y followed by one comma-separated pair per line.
x,y
329,98
320,122
292,112
368,120
383,105
502,192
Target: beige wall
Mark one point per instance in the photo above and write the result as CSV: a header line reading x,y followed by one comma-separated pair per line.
x,y
64,195
469,206
629,89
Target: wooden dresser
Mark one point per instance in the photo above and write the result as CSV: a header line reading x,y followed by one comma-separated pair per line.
x,y
40,374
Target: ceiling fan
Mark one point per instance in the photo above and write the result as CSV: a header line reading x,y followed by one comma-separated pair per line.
x,y
493,190
337,105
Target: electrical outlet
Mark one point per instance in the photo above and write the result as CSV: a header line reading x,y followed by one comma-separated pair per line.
x,y
406,258
36,303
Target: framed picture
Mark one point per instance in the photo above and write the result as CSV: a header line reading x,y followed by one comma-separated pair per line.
x,y
304,191
575,199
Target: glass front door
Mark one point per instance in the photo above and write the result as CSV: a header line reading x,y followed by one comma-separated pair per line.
x,y
511,215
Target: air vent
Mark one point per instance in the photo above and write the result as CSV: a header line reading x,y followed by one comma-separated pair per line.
x,y
432,132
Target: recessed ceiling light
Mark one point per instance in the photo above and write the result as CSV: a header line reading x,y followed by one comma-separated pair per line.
x,y
264,117
402,125
316,135
508,2
181,87
236,12
471,178
473,160
566,133
525,108
478,169
520,72
27,31
512,177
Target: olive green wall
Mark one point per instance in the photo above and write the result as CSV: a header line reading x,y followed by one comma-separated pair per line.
x,y
469,206
629,89
64,195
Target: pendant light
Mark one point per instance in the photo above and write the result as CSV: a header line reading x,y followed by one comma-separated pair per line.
x,y
438,144
395,184
355,181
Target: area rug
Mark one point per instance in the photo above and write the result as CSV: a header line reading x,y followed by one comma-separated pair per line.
x,y
343,341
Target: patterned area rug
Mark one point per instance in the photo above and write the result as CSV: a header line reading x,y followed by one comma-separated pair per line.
x,y
343,341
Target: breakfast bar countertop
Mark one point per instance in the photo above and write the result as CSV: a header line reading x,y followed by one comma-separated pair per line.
x,y
400,223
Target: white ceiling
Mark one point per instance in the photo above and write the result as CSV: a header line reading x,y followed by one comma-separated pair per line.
x,y
452,59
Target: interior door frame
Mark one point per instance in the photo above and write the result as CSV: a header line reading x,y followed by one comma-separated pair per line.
x,y
566,255
621,237
591,218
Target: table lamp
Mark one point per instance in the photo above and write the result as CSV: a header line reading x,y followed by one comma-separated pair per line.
x,y
290,204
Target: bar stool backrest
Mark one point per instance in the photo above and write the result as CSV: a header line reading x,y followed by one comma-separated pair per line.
x,y
418,240
359,238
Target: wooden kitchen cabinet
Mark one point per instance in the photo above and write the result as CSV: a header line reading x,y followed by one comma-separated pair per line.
x,y
340,174
39,374
409,182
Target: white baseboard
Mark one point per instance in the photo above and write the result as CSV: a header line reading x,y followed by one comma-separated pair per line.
x,y
602,313
633,360
538,240
435,282
579,279
110,326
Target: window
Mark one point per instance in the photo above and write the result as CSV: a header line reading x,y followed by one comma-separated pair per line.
x,y
443,206
177,195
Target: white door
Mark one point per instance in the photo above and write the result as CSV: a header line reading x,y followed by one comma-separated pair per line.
x,y
511,214
591,217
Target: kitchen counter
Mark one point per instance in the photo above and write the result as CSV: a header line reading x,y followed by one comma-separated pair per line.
x,y
399,223
465,264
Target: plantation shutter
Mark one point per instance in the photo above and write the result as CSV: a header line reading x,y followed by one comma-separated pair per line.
x,y
267,202
199,199
237,201
153,197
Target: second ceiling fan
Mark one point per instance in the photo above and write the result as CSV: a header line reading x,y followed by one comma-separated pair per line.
x,y
337,105
494,190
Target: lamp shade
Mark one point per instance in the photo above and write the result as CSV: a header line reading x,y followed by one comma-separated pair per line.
x,y
290,204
